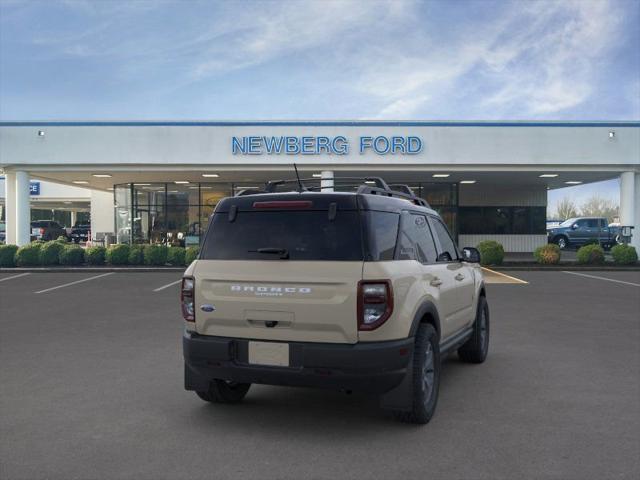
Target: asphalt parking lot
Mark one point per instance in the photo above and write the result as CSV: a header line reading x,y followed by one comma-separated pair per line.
x,y
91,388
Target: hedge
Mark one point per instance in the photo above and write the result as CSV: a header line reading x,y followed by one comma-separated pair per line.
x,y
50,252
29,255
155,255
118,254
624,254
190,254
72,255
491,252
175,256
547,254
136,254
95,255
590,254
8,255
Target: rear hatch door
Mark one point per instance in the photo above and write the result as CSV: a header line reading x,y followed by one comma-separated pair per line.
x,y
284,272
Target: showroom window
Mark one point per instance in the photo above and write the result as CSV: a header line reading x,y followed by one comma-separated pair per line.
x,y
502,220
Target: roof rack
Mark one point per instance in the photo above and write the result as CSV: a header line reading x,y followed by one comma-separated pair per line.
x,y
364,185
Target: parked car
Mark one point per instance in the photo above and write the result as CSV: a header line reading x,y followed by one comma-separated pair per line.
x,y
579,231
361,291
47,230
80,232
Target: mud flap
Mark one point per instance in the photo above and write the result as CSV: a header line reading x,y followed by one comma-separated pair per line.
x,y
401,397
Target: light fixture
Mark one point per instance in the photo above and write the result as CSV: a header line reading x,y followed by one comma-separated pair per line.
x,y
194,188
41,133
317,175
101,175
370,182
172,191
141,184
181,182
440,175
80,182
573,182
612,134
66,203
203,187
549,175
468,181
210,175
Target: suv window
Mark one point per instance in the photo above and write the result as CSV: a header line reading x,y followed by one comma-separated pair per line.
x,y
305,235
415,241
382,233
447,249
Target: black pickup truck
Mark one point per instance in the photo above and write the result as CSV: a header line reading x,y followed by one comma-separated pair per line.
x,y
582,230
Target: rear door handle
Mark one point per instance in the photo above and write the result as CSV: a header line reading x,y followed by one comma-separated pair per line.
x,y
436,282
459,277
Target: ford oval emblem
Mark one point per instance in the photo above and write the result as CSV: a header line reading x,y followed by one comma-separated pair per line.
x,y
207,308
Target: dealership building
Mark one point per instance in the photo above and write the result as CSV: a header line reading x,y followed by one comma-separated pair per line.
x,y
160,181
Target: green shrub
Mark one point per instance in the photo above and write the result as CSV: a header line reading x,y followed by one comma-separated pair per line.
x,y
155,255
118,254
190,254
62,239
590,254
624,254
175,256
547,254
136,255
29,255
95,255
8,255
592,241
50,253
72,255
491,252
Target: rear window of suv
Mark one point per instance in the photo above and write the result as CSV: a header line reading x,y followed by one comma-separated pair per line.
x,y
304,235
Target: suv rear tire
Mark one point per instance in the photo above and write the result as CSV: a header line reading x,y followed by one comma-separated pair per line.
x,y
476,348
426,376
221,391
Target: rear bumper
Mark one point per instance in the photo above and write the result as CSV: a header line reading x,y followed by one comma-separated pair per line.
x,y
375,367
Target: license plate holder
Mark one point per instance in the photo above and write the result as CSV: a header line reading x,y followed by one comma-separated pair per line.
x,y
274,354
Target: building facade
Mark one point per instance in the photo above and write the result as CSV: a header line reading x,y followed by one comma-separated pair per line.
x,y
160,181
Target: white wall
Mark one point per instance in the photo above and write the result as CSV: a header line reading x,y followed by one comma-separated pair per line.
x,y
541,144
50,191
102,219
511,243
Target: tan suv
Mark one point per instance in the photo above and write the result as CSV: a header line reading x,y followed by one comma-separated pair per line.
x,y
357,291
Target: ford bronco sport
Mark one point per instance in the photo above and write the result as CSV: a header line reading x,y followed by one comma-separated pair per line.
x,y
357,291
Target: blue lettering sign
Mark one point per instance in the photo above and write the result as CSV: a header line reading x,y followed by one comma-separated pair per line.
x,y
34,188
338,145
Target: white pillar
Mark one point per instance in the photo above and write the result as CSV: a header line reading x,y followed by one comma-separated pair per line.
x,y
73,218
10,206
630,204
326,181
23,209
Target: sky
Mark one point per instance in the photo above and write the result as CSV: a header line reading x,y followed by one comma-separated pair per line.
x,y
387,59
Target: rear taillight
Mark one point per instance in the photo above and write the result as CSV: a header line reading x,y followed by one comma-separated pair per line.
x,y
187,299
375,303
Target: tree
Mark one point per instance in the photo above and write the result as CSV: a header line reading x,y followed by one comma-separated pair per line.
x,y
597,206
565,209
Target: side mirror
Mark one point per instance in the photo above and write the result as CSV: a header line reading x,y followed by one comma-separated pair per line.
x,y
575,226
471,255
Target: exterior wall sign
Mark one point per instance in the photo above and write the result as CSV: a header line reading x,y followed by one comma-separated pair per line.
x,y
311,145
34,188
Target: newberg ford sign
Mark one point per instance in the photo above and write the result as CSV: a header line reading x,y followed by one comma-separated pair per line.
x,y
311,145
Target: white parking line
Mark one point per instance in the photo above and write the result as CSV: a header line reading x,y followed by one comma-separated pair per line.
x,y
74,283
603,278
168,285
12,277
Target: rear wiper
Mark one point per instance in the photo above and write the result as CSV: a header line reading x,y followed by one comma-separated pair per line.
x,y
283,252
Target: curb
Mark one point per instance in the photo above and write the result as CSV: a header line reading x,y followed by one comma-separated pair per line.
x,y
568,268
91,269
